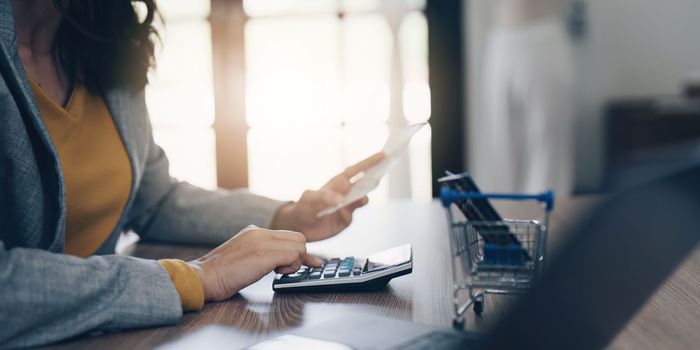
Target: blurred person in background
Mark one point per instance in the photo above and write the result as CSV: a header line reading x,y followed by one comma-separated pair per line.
x,y
524,131
78,166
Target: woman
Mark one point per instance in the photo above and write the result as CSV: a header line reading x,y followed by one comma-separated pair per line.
x,y
78,166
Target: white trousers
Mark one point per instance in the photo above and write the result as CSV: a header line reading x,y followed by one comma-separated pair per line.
x,y
524,132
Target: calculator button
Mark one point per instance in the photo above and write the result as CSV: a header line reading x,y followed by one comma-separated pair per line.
x,y
315,275
343,273
294,277
329,274
356,271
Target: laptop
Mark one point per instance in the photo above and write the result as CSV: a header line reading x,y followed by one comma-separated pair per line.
x,y
612,263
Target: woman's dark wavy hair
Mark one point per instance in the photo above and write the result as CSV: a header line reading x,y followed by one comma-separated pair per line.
x,y
103,44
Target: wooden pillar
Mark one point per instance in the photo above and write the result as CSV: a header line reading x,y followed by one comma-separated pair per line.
x,y
446,63
228,20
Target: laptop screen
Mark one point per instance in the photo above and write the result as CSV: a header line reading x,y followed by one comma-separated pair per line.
x,y
612,264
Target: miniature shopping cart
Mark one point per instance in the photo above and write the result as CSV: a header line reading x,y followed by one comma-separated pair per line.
x,y
500,256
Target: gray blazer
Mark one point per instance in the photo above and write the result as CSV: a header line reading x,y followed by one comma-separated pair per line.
x,y
47,296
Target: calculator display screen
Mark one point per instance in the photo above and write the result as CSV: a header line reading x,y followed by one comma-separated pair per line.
x,y
388,258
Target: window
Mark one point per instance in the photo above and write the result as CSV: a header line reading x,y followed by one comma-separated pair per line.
x,y
326,83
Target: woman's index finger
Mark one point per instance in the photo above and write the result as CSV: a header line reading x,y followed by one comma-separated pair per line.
x,y
364,164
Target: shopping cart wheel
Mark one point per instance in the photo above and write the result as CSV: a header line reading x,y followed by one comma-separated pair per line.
x,y
478,307
458,323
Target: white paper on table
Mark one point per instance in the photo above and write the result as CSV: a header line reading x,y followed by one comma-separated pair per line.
x,y
290,341
395,146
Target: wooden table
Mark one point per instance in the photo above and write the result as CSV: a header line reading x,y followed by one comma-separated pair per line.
x,y
669,320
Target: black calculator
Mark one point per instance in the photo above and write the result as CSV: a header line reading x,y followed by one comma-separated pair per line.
x,y
349,274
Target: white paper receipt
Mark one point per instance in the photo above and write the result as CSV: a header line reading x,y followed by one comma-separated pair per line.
x,y
395,146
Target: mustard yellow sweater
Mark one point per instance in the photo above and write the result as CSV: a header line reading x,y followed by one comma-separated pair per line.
x,y
97,175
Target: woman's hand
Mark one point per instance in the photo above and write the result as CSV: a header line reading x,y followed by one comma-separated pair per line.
x,y
302,215
247,257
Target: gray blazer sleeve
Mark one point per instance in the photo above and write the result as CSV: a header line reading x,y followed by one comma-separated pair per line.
x,y
46,297
167,210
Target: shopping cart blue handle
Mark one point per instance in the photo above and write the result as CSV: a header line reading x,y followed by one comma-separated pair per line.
x,y
448,195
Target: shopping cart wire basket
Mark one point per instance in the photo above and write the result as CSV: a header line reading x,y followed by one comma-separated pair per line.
x,y
493,257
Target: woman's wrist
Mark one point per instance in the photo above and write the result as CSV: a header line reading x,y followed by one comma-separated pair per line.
x,y
202,275
283,218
